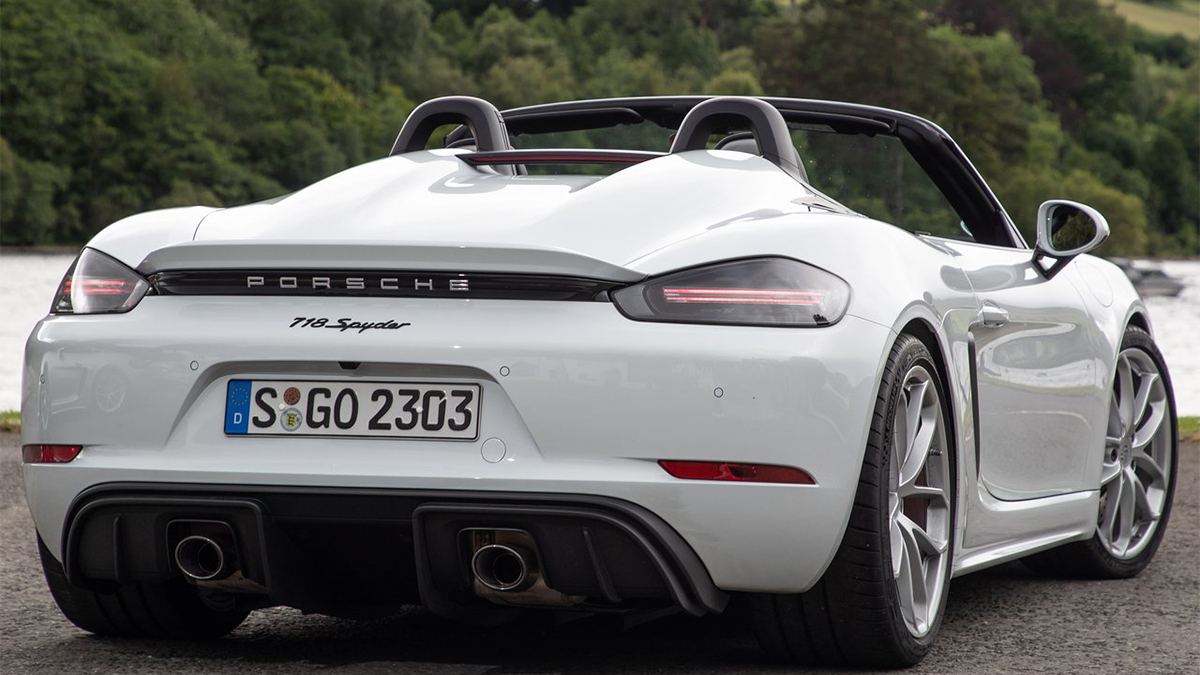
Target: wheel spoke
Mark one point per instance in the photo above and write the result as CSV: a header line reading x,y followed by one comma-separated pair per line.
x,y
1108,519
1146,463
900,445
1115,432
911,489
912,413
1142,499
916,577
1150,427
925,544
1125,512
1145,387
918,454
903,574
1125,397
1110,471
897,547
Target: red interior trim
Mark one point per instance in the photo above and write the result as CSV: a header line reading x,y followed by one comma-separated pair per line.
x,y
559,157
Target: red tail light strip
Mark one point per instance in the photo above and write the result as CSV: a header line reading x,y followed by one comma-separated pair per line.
x,y
559,156
100,286
49,454
767,296
736,472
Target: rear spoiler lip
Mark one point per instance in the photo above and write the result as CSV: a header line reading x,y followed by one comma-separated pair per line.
x,y
377,255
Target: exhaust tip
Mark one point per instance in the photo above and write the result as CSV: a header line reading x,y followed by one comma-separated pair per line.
x,y
502,568
202,558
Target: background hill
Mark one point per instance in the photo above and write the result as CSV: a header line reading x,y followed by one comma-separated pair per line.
x,y
1162,16
110,107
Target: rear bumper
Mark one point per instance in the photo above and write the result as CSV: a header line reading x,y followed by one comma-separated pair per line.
x,y
364,551
584,401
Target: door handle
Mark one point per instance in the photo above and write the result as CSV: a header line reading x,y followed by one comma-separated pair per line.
x,y
992,316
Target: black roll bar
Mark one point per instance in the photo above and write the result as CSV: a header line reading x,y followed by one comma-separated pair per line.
x,y
726,113
482,118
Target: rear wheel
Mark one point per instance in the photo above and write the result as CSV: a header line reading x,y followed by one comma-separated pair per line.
x,y
160,610
880,603
1137,481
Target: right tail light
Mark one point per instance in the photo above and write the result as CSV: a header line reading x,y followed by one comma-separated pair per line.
x,y
753,292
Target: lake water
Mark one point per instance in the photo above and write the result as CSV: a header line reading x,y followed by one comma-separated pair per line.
x,y
27,284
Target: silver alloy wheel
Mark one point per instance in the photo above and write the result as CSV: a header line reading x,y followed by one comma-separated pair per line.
x,y
919,500
1137,457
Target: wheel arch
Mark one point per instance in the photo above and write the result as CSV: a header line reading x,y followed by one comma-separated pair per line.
x,y
1139,318
923,329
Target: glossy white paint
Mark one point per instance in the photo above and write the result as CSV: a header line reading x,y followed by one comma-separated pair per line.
x,y
432,198
1039,372
592,399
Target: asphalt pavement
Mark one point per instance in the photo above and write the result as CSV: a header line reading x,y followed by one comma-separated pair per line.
x,y
1002,620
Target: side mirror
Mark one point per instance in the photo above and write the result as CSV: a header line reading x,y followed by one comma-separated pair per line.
x,y
1064,230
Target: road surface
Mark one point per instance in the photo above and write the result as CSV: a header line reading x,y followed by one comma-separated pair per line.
x,y
1003,620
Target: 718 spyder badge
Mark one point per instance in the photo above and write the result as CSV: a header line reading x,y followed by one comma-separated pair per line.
x,y
345,324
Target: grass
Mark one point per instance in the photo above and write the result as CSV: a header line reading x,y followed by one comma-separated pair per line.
x,y
1189,427
1183,17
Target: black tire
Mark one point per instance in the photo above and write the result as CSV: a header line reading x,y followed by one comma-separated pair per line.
x,y
1091,559
852,616
146,610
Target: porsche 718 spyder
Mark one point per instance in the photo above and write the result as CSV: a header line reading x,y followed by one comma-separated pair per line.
x,y
624,356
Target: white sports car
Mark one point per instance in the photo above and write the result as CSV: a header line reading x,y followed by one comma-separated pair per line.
x,y
783,352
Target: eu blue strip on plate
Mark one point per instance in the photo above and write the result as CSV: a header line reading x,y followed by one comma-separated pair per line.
x,y
237,407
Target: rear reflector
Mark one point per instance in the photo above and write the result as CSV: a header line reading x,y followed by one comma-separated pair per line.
x,y
730,471
49,454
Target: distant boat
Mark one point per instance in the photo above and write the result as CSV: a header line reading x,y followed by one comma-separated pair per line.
x,y
1149,278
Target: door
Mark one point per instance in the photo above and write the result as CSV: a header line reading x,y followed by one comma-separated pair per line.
x,y
1038,366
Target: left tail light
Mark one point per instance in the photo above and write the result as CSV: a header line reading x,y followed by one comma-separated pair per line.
x,y
98,284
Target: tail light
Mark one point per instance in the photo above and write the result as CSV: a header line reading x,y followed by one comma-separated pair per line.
x,y
49,454
736,472
754,292
98,284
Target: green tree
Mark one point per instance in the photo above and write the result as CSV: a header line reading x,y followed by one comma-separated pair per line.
x,y
111,108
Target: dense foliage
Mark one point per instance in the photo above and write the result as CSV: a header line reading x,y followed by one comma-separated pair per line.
x,y
110,107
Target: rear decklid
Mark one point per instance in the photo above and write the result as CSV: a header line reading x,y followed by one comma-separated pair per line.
x,y
432,211
380,255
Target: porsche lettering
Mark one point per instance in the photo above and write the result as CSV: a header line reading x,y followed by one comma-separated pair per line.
x,y
457,284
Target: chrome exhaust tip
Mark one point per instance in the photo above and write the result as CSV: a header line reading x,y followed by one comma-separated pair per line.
x,y
203,558
508,569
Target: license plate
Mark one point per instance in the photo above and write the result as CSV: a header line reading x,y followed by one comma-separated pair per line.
x,y
438,410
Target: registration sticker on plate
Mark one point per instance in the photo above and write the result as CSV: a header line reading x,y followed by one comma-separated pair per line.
x,y
439,410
